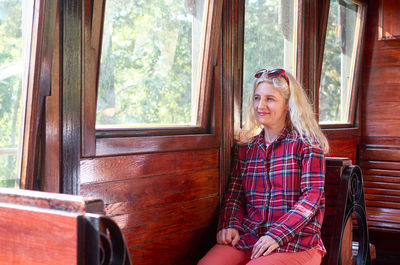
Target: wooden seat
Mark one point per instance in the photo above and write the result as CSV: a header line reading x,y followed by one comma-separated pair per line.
x,y
382,187
48,228
345,204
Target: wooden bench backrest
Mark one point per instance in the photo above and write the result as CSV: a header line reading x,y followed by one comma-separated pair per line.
x,y
381,171
344,199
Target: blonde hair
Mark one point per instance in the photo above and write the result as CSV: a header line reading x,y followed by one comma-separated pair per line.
x,y
300,115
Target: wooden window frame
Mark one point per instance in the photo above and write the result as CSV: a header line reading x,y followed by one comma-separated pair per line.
x,y
104,142
312,24
38,87
354,101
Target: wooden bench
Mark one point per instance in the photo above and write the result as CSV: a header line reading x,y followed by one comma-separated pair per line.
x,y
382,187
345,205
48,228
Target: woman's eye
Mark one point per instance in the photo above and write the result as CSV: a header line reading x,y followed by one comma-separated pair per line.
x,y
256,97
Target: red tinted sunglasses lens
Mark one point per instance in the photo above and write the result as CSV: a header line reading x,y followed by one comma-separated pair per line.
x,y
259,73
275,73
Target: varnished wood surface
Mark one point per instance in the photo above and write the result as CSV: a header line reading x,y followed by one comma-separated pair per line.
x,y
141,193
93,19
332,186
389,19
382,185
54,201
165,203
379,149
52,145
71,85
346,147
31,237
37,87
105,169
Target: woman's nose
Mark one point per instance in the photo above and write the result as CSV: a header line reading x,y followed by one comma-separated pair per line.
x,y
262,104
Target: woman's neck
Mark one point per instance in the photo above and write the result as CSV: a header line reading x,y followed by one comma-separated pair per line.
x,y
270,134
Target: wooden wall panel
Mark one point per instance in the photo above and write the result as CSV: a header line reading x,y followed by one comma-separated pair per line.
x,y
165,203
346,147
379,148
144,165
389,19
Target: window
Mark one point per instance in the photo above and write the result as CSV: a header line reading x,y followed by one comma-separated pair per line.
x,y
15,33
150,63
270,31
336,93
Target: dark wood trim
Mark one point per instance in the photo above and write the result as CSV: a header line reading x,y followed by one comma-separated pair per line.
x,y
52,133
382,33
157,131
337,126
71,94
149,144
93,22
308,47
232,74
359,2
210,57
323,7
339,133
39,83
362,14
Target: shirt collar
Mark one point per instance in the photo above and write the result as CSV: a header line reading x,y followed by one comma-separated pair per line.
x,y
259,139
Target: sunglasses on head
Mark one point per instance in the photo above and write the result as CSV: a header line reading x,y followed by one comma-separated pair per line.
x,y
274,73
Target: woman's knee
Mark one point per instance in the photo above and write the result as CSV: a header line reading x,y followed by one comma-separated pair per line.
x,y
224,254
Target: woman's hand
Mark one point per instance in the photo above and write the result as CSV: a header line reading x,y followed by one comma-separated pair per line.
x,y
264,246
228,236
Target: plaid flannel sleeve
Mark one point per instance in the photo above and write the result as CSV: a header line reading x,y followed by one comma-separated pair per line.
x,y
233,207
312,190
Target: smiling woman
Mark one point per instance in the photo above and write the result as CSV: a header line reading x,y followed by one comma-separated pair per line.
x,y
275,202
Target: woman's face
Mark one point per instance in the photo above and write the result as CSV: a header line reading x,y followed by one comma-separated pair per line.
x,y
270,107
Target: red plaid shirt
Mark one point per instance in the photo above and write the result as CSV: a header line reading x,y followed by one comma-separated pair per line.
x,y
277,190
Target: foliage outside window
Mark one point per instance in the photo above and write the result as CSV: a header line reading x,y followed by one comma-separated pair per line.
x,y
151,54
15,32
269,39
338,66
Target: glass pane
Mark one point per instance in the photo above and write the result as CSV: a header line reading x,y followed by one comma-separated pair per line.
x,y
15,32
338,63
269,39
150,61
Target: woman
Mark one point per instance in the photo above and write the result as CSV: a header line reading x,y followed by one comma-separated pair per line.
x,y
274,206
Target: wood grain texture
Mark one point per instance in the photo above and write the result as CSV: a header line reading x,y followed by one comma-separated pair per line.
x,y
130,195
346,147
45,239
159,200
127,167
389,19
332,189
54,201
135,145
52,150
71,83
37,87
159,221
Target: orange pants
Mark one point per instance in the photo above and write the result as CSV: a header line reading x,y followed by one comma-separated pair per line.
x,y
228,255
